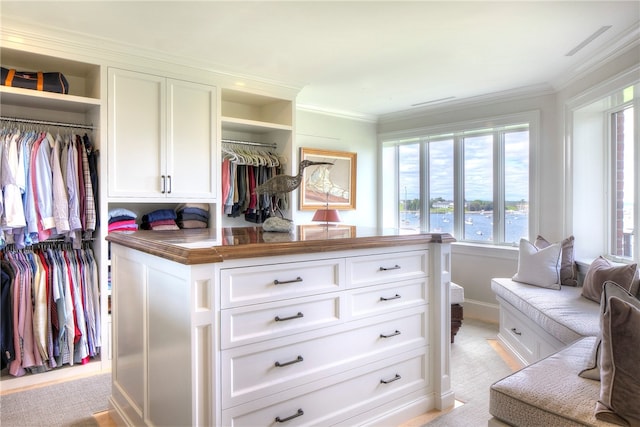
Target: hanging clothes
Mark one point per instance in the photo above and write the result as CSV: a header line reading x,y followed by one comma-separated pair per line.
x,y
243,169
49,185
54,307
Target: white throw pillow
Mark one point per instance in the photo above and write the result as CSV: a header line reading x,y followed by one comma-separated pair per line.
x,y
539,267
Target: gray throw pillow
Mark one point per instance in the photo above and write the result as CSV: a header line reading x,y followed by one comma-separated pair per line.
x,y
602,270
620,371
610,289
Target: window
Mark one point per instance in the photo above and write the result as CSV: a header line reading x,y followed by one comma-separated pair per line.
x,y
472,182
604,171
623,165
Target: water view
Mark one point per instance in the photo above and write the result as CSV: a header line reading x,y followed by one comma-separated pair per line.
x,y
478,226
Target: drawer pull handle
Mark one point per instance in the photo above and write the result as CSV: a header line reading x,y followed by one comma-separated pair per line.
x,y
397,332
515,331
289,418
396,378
396,296
291,362
278,282
296,316
395,267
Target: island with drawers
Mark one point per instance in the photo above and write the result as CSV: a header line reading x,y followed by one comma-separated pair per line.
x,y
241,327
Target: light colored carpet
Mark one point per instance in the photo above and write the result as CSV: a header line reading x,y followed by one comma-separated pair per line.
x,y
68,404
475,366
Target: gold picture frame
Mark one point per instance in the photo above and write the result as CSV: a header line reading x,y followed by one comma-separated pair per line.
x,y
334,184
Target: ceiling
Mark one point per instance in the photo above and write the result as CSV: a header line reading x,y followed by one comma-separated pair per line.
x,y
362,58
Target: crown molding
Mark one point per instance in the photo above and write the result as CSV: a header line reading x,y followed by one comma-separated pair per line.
x,y
100,51
368,118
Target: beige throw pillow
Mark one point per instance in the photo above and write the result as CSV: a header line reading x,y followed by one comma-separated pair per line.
x,y
539,267
568,269
601,271
620,371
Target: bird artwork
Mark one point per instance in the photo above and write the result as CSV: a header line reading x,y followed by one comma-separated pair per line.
x,y
280,185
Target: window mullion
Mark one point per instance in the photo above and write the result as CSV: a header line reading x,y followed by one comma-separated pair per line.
x,y
425,191
498,187
458,187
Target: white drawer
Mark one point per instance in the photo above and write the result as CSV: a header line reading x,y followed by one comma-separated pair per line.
x,y
248,324
251,372
250,285
518,334
336,398
373,269
388,297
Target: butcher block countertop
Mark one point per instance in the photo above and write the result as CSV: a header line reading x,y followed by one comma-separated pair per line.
x,y
204,246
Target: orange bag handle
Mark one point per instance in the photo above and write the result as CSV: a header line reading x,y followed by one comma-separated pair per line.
x,y
9,79
39,84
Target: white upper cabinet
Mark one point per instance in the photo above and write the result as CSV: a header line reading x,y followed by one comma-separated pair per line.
x,y
162,138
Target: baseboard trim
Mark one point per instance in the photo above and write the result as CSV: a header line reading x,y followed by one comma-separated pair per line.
x,y
480,310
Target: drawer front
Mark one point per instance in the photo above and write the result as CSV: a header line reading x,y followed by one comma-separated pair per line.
x,y
250,285
251,372
518,334
374,269
245,325
347,395
382,298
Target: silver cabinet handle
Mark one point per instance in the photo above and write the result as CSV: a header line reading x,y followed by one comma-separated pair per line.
x,y
295,316
515,331
396,378
278,282
170,184
162,184
396,296
291,362
289,418
395,267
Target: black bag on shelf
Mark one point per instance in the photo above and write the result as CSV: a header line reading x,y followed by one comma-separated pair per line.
x,y
49,82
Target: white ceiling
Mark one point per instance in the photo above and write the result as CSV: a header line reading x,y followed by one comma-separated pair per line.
x,y
359,57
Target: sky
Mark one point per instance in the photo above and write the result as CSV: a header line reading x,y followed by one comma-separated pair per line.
x,y
478,167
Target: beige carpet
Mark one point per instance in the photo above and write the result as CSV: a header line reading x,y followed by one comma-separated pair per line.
x,y
68,403
476,364
477,361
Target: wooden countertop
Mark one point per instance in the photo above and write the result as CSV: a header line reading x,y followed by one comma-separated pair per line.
x,y
204,246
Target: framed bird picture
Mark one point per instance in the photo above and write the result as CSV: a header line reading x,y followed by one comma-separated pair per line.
x,y
328,186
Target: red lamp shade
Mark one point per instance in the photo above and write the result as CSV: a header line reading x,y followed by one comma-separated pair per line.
x,y
326,215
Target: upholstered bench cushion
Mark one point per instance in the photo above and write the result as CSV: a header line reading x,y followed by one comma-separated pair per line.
x,y
456,293
549,392
563,313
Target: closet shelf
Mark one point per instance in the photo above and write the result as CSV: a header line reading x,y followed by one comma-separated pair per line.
x,y
47,100
251,126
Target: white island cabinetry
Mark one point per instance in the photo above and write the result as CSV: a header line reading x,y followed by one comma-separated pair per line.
x,y
339,337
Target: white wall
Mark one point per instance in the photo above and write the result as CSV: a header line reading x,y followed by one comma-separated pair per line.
x,y
316,130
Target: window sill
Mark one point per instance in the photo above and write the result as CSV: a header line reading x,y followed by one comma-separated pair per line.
x,y
485,250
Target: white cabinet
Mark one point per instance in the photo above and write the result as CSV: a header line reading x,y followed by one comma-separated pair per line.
x,y
526,340
351,332
162,138
322,338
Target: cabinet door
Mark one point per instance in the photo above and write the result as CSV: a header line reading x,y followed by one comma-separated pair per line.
x,y
137,136
191,144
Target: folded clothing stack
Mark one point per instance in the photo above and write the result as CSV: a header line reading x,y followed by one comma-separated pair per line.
x,y
193,215
160,219
121,219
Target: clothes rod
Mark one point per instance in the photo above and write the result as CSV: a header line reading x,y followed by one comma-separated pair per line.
x,y
46,122
259,144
